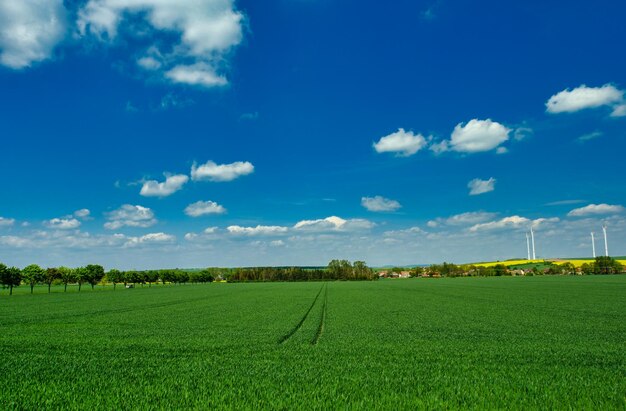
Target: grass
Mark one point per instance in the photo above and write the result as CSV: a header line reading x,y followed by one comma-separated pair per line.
x,y
521,342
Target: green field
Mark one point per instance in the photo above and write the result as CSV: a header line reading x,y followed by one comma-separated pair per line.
x,y
521,342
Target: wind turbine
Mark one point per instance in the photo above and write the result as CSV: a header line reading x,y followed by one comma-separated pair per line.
x,y
532,237
606,245
593,245
527,245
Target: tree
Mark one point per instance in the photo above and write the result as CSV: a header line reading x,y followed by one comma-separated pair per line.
x,y
362,271
80,276
67,276
500,270
115,276
93,274
151,276
340,269
10,277
132,277
586,268
33,274
568,268
607,265
182,277
417,271
50,275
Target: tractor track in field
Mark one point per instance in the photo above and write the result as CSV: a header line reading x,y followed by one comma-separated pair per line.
x,y
295,329
320,328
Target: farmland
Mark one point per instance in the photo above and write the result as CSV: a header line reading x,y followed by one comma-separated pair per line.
x,y
521,342
515,263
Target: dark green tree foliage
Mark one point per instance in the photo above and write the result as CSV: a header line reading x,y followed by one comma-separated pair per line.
x,y
133,277
168,276
10,277
607,265
80,276
336,270
93,274
205,276
587,268
50,275
453,270
151,276
33,274
114,276
561,269
67,276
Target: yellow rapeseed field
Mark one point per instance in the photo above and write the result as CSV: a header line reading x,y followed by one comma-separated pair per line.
x,y
507,263
577,263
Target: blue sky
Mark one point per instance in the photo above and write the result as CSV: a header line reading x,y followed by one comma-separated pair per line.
x,y
145,133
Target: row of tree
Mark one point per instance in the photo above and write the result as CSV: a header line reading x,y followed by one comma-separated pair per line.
x,y
33,274
601,265
93,274
337,270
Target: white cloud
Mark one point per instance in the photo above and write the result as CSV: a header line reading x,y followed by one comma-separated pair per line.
x,y
589,136
596,209
477,136
258,230
502,150
472,217
506,222
131,216
191,236
379,203
334,223
151,238
522,133
564,202
569,101
15,241
172,100
29,31
200,208
209,233
6,222
405,143
199,74
277,243
83,213
149,63
619,111
544,221
211,171
172,184
439,147
206,31
513,222
405,232
478,186
63,223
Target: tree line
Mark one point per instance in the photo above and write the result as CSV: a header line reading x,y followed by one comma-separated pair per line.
x,y
94,274
601,265
342,270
